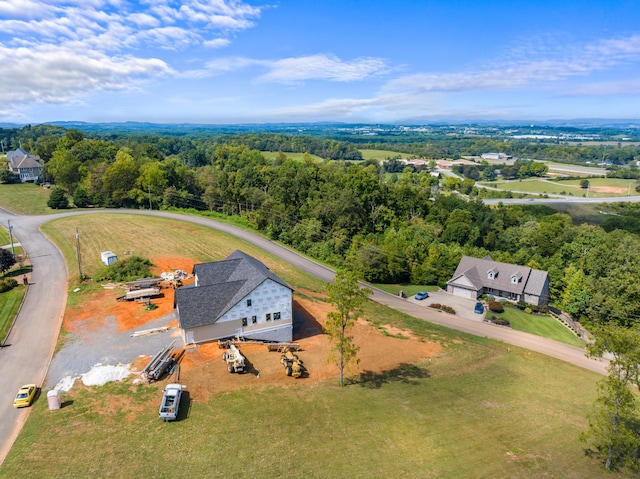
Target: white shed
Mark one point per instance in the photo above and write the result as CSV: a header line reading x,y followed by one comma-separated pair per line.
x,y
108,257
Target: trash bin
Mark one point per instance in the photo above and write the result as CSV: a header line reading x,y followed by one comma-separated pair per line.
x,y
53,399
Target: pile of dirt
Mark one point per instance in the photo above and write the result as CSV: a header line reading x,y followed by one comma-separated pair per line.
x,y
202,368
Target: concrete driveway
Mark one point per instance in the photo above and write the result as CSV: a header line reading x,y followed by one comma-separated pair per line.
x,y
462,306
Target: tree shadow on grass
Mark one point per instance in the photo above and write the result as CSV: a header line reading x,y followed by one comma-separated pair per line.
x,y
405,373
18,272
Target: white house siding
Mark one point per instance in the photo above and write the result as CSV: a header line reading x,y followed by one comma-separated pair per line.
x,y
270,297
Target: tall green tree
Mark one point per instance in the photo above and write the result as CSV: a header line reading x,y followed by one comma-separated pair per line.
x,y
348,298
613,426
6,260
58,199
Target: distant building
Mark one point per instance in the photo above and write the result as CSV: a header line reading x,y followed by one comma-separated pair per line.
x,y
496,156
475,277
27,166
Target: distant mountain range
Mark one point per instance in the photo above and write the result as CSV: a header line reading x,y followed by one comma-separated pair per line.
x,y
150,126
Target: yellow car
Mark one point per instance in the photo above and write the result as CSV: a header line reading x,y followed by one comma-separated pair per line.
x,y
25,395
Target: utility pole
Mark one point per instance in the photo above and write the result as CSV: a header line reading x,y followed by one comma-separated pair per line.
x,y
78,254
13,253
149,188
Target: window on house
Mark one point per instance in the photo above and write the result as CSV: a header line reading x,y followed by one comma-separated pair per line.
x,y
248,302
254,319
268,316
276,316
244,321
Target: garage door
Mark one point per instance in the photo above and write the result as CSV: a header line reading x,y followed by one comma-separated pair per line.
x,y
464,293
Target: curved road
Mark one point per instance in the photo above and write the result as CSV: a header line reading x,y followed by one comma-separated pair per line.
x,y
25,356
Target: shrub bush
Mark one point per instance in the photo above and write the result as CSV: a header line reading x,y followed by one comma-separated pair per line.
x,y
128,269
443,307
499,321
496,306
7,284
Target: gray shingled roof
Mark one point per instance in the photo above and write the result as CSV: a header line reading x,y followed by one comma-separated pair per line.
x,y
535,285
22,159
219,286
476,271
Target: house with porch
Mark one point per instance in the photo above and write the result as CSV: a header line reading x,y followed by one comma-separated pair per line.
x,y
475,277
235,297
22,163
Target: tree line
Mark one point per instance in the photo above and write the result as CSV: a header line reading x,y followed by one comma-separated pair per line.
x,y
406,227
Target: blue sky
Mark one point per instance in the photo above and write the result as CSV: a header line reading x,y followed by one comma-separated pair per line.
x,y
375,61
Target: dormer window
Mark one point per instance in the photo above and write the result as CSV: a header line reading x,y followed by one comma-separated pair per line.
x,y
515,278
492,274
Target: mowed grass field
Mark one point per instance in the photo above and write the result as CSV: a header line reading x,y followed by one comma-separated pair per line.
x,y
25,199
544,326
477,409
272,155
568,187
599,187
380,154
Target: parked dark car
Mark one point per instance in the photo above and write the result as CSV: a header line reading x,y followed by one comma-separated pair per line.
x,y
478,308
422,295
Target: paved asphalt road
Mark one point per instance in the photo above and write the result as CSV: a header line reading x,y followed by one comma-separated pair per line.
x,y
28,350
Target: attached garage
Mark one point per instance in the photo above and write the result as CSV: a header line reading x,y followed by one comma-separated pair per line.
x,y
462,292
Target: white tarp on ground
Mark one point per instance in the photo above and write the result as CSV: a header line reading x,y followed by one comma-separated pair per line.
x,y
98,375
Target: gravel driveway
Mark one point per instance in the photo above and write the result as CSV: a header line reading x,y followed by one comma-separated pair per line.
x,y
107,346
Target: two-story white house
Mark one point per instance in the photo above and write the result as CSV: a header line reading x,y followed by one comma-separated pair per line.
x,y
236,297
27,166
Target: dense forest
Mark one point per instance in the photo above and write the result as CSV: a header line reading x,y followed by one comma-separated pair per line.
x,y
407,227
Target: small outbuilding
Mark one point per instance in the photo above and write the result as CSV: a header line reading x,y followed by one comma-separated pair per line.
x,y
108,257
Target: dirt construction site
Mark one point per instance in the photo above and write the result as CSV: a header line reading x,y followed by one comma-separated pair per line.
x,y
99,332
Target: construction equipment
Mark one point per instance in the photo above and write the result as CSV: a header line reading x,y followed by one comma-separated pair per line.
x,y
234,359
292,363
160,364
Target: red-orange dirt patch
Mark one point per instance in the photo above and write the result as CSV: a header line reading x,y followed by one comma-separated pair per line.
x,y
201,367
91,312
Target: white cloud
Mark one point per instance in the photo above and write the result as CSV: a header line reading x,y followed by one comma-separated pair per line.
x,y
323,67
52,50
299,69
55,74
216,43
630,87
538,73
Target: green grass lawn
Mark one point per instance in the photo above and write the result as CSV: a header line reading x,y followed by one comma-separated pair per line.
x,y
544,326
409,289
25,199
380,154
475,411
10,302
478,408
569,187
272,155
